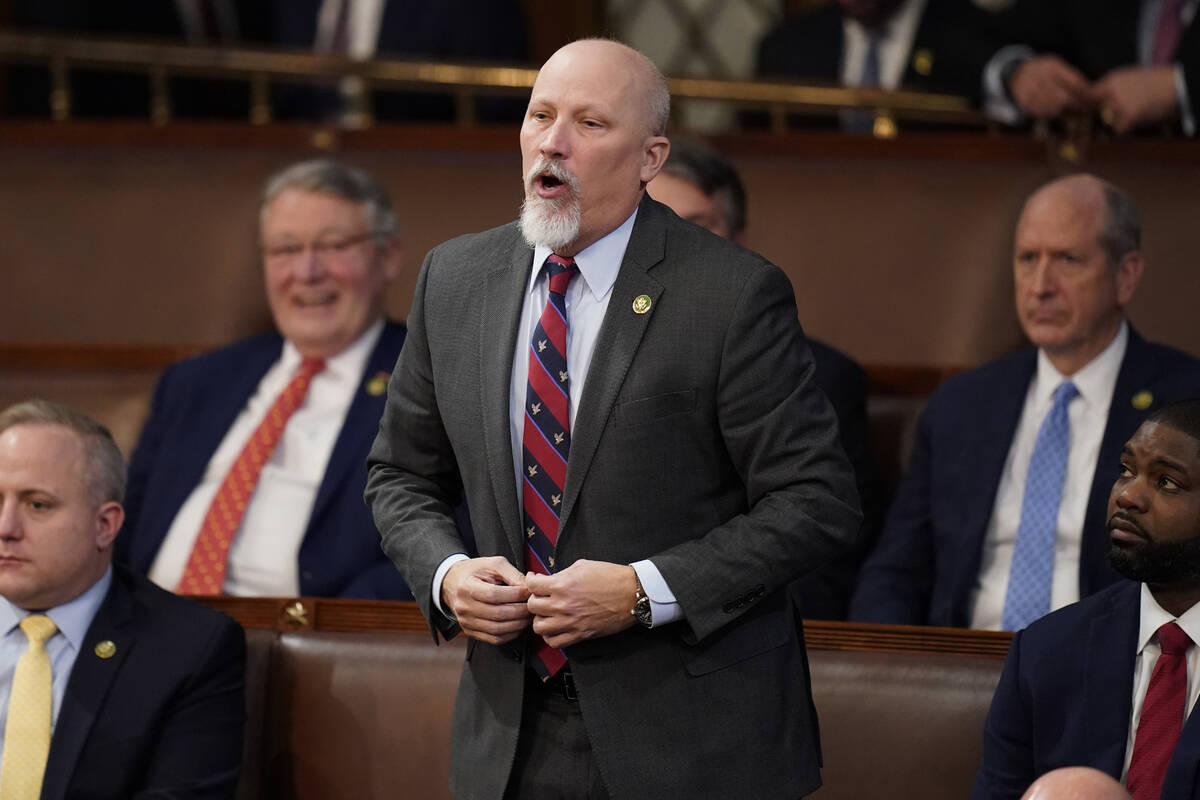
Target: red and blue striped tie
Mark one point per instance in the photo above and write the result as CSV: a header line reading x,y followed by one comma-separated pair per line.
x,y
547,440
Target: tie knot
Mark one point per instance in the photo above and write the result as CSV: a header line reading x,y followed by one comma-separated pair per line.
x,y
310,367
1065,393
560,270
38,628
1173,640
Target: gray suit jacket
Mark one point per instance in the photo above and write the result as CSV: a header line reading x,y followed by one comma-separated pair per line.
x,y
700,442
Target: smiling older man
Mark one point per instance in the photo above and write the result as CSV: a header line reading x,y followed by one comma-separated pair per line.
x,y
628,402
248,475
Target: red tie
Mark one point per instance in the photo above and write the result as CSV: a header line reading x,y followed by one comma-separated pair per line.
x,y
1167,32
206,567
1162,716
546,440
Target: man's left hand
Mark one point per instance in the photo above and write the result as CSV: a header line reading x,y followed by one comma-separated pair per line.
x,y
585,600
1131,97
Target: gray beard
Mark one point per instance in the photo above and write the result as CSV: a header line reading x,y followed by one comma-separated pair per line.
x,y
547,224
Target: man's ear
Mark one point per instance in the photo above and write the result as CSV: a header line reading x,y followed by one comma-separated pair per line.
x,y
1129,274
655,152
109,519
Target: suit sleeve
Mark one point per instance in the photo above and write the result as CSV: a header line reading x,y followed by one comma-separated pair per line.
x,y
198,750
825,593
895,583
781,437
1007,768
413,483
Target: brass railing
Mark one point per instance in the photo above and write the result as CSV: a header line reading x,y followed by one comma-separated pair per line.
x,y
259,67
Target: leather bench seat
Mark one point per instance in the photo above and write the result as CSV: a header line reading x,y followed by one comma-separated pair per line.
x,y
366,715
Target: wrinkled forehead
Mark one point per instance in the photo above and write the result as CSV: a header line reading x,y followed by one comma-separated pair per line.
x,y
604,73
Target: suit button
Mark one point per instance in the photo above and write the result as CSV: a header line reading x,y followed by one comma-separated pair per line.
x,y
728,608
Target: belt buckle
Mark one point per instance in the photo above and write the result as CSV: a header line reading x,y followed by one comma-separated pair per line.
x,y
568,686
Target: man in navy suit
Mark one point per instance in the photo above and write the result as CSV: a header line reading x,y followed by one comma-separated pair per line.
x,y
700,185
948,542
329,251
142,695
1105,682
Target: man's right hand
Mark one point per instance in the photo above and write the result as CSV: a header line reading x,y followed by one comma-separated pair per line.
x,y
487,596
1046,86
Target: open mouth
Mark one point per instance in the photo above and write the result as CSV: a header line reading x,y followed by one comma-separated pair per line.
x,y
315,301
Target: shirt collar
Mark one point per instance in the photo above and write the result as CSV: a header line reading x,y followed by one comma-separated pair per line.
x,y
598,263
905,15
1153,616
1095,381
347,364
73,618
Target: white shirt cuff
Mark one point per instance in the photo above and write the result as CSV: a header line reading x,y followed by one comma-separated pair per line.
x,y
996,102
439,576
664,608
1187,118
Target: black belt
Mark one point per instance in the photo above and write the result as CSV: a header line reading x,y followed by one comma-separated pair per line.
x,y
562,684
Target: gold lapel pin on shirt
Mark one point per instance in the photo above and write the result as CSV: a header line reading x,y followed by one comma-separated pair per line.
x,y
105,649
1142,400
642,303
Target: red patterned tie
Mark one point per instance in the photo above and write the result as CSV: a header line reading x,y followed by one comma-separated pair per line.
x,y
206,567
1162,716
546,441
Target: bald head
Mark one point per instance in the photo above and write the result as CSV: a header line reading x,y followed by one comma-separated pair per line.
x,y
645,83
1108,208
1076,783
1076,266
590,143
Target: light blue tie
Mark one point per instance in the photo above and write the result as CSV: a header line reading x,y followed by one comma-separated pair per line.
x,y
1028,595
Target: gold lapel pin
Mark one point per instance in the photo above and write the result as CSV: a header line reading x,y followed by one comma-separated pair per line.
x,y
378,384
105,649
642,303
922,62
1142,400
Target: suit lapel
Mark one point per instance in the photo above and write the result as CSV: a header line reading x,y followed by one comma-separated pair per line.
x,y
993,435
504,295
618,340
1138,369
201,425
1108,676
90,680
1183,770
362,420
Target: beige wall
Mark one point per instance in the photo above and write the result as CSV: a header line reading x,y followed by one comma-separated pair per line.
x,y
899,258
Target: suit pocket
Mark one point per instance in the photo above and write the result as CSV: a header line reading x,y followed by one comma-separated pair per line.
x,y
742,640
651,409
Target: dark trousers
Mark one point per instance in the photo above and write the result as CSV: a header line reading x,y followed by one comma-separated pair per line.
x,y
554,757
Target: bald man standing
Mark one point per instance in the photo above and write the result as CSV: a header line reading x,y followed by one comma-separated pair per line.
x,y
628,403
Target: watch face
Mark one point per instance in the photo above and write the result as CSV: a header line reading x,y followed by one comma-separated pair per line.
x,y
642,611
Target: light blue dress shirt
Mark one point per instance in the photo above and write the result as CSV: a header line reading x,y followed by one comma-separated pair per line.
x,y
73,619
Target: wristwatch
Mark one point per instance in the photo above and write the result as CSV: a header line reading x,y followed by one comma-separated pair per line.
x,y
641,606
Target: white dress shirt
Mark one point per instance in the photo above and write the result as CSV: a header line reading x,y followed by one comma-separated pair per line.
x,y
263,556
586,302
897,34
362,26
1152,618
1088,414
73,619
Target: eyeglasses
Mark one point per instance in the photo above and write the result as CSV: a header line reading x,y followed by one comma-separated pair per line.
x,y
331,247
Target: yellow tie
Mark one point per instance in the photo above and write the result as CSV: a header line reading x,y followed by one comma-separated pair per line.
x,y
27,734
